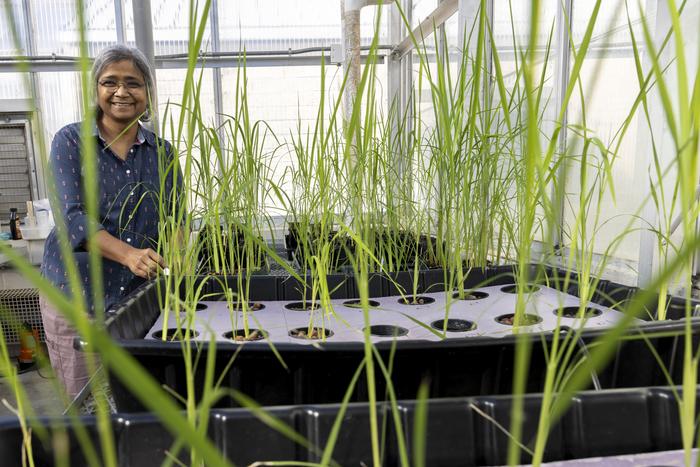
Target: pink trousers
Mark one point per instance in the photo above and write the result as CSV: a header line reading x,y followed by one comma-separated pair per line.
x,y
68,363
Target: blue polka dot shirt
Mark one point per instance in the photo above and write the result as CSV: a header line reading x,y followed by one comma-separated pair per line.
x,y
128,206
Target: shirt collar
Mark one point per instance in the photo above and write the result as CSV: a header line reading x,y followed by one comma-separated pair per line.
x,y
143,135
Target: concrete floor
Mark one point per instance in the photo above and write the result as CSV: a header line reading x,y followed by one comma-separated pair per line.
x,y
40,390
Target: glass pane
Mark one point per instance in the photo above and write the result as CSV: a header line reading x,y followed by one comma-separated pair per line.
x,y
56,26
609,87
289,24
170,25
14,86
421,10
170,92
290,110
512,21
60,101
8,47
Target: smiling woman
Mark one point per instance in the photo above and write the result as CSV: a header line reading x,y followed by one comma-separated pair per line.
x,y
128,163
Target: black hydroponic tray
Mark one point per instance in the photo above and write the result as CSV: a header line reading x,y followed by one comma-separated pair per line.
x,y
460,431
456,367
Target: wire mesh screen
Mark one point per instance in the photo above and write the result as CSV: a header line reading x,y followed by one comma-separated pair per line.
x,y
18,306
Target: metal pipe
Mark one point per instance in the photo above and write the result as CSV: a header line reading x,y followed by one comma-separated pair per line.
x,y
351,63
351,49
182,63
184,56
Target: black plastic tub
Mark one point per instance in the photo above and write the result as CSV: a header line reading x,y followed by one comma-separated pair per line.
x,y
320,374
459,431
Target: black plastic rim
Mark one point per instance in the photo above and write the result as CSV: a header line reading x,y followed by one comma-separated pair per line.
x,y
387,330
454,325
530,320
418,300
513,288
302,306
254,307
470,296
174,335
253,335
572,312
356,304
296,333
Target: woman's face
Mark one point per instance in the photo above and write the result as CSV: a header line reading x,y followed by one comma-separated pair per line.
x,y
121,92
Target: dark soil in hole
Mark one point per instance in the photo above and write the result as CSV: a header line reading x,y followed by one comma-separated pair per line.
x,y
387,330
357,304
417,300
454,325
239,335
573,312
525,320
468,296
302,306
316,333
198,307
513,288
174,334
251,307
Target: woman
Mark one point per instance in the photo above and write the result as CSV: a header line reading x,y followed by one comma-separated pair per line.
x,y
129,180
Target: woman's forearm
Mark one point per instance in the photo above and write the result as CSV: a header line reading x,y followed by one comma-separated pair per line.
x,y
112,248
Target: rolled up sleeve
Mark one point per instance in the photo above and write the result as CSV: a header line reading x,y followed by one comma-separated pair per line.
x,y
65,165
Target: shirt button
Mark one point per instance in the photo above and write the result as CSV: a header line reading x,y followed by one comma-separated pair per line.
x,y
121,288
128,240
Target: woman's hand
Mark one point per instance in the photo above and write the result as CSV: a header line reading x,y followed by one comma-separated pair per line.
x,y
144,263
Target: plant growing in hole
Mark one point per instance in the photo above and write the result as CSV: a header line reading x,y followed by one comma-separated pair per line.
x,y
512,176
317,182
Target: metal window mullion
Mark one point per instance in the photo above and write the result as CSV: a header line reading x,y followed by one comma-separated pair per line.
x,y
119,21
216,72
488,54
486,90
649,214
36,166
564,24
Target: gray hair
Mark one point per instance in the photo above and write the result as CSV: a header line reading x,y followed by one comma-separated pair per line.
x,y
117,53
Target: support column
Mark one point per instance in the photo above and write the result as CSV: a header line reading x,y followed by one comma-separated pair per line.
x,y
400,87
143,32
143,29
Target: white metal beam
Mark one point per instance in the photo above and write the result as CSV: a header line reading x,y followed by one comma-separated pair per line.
x,y
434,20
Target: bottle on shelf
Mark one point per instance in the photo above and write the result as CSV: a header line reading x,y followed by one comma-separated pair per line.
x,y
14,225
